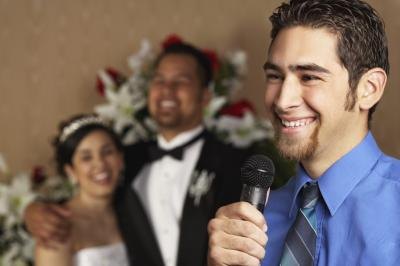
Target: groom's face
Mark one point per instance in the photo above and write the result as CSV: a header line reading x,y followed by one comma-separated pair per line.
x,y
176,97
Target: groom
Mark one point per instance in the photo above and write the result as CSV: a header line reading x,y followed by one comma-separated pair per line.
x,y
165,203
172,186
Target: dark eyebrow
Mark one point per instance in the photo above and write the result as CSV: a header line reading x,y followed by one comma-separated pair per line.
x,y
83,151
269,65
309,67
304,67
179,75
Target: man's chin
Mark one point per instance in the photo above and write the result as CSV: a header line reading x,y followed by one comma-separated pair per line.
x,y
167,122
297,148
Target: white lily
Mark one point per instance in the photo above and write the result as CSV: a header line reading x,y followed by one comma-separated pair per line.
x,y
121,107
239,60
213,107
241,131
234,85
107,80
145,54
4,200
14,197
20,193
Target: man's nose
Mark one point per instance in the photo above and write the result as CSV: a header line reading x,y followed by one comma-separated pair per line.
x,y
170,85
289,95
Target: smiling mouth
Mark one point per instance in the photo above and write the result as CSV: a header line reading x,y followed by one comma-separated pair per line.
x,y
168,104
101,177
296,123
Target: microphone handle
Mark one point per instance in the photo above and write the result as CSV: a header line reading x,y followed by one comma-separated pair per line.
x,y
256,196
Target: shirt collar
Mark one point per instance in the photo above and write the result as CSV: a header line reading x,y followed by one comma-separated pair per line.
x,y
179,139
340,178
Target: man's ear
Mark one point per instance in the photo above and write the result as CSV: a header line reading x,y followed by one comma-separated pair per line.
x,y
207,95
371,88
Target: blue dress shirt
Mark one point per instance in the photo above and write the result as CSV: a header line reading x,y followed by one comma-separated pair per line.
x,y
358,217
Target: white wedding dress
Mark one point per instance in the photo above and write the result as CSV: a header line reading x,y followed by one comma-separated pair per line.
x,y
109,255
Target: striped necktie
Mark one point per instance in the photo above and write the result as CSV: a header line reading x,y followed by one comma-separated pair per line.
x,y
301,239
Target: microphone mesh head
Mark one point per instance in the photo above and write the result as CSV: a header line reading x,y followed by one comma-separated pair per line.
x,y
258,171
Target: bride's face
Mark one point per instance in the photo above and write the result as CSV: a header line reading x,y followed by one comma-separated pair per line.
x,y
96,165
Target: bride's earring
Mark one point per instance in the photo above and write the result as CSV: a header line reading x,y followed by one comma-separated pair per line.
x,y
74,184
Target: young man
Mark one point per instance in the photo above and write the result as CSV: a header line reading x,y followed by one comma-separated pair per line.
x,y
325,73
164,203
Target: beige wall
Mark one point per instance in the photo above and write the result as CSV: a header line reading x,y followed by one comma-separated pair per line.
x,y
50,52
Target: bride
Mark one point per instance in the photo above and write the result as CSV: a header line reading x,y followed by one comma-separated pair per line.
x,y
90,154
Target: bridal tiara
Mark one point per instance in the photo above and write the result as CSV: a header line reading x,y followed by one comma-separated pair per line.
x,y
79,123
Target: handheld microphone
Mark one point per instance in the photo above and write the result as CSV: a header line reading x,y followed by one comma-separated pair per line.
x,y
257,175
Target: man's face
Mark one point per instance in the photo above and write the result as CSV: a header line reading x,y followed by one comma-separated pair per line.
x,y
176,98
305,95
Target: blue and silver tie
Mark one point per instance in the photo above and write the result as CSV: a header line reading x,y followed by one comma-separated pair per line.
x,y
301,239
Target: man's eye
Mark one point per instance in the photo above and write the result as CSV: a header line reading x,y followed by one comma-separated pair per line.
x,y
273,77
181,81
157,81
309,78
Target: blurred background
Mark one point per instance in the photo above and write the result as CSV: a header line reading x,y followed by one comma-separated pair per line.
x,y
51,51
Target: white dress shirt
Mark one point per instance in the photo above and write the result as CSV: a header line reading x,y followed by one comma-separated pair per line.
x,y
162,187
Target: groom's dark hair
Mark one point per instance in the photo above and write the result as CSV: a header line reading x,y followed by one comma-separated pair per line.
x,y
204,68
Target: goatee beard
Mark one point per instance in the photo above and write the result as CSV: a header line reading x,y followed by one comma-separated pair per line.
x,y
296,149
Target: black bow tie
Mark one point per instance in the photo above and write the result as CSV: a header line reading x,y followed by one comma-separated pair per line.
x,y
155,152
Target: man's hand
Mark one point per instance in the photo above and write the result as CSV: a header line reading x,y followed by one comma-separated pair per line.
x,y
48,222
237,236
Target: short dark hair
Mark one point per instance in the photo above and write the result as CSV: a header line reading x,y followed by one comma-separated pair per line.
x,y
362,42
204,68
64,149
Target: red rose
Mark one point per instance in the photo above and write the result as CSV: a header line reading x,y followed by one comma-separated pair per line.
x,y
213,58
115,75
117,78
170,40
38,175
238,109
100,86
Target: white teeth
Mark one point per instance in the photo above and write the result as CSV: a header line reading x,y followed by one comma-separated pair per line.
x,y
100,176
297,123
168,104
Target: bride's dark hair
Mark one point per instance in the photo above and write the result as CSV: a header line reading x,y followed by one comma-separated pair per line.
x,y
71,133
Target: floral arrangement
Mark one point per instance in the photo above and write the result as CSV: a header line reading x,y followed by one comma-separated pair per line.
x,y
234,121
16,192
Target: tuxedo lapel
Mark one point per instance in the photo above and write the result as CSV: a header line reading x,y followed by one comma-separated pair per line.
x,y
218,163
133,220
196,213
137,232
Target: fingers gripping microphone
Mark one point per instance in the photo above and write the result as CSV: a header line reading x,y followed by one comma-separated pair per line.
x,y
257,174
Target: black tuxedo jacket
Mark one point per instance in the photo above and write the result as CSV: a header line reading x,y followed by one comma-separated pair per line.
x,y
134,223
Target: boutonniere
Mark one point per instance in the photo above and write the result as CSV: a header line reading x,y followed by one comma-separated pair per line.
x,y
200,185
